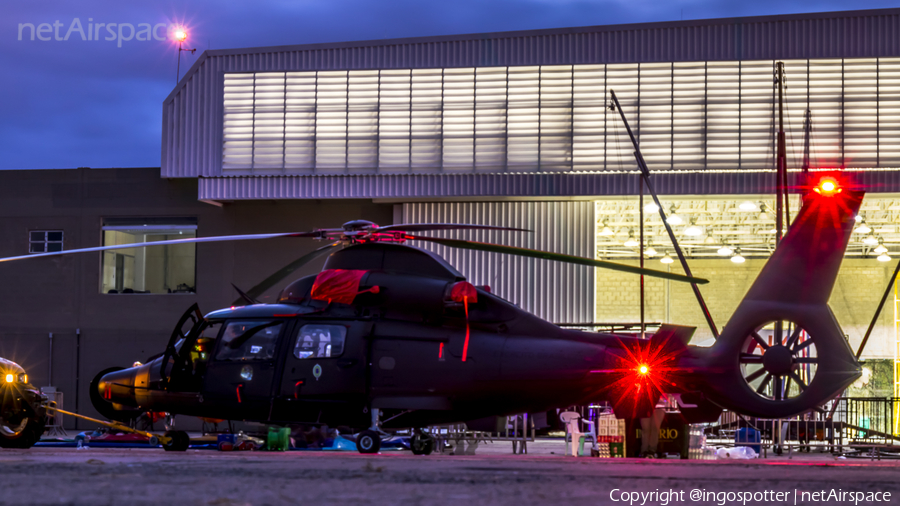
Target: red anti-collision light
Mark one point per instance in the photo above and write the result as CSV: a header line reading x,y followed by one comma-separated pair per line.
x,y
828,187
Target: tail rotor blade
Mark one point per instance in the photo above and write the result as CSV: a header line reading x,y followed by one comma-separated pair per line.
x,y
559,257
285,271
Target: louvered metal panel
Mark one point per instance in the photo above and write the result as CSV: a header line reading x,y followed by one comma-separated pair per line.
x,y
193,113
555,291
410,187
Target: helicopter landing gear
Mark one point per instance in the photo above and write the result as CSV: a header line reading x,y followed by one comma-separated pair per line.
x,y
368,441
421,444
178,441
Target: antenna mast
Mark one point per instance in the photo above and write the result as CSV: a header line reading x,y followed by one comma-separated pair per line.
x,y
782,211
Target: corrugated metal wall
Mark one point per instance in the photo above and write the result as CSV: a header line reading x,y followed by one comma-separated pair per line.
x,y
192,137
416,186
558,292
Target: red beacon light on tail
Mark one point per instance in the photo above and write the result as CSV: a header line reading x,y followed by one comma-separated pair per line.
x,y
828,187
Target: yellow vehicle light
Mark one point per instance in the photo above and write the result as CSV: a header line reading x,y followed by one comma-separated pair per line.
x,y
25,380
10,378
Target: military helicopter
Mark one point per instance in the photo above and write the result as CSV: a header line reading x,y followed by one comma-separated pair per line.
x,y
390,336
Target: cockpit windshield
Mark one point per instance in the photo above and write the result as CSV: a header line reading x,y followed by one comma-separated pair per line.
x,y
249,340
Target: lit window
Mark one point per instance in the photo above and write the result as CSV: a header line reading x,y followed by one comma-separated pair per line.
x,y
45,241
153,269
320,341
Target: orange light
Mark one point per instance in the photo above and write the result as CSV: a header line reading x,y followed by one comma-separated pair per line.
x,y
828,187
643,369
180,35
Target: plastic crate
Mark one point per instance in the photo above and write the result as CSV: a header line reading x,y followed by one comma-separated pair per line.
x,y
279,439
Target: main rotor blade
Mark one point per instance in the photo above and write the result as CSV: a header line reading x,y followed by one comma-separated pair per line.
x,y
246,298
559,257
189,240
424,227
285,271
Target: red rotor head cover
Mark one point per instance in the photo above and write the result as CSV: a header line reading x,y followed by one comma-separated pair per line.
x,y
464,292
337,285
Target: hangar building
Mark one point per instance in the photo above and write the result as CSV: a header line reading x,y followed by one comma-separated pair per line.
x,y
507,129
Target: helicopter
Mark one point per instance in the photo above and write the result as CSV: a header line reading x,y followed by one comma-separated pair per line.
x,y
389,336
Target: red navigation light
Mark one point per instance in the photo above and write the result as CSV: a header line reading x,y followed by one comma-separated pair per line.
x,y
828,187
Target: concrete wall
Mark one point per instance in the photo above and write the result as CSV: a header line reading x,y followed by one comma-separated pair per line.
x,y
859,287
62,294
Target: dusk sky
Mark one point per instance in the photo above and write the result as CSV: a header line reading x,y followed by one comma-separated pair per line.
x,y
90,103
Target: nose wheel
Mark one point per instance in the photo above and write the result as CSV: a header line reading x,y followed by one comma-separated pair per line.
x,y
779,360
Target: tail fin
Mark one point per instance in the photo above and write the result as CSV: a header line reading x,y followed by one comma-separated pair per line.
x,y
783,352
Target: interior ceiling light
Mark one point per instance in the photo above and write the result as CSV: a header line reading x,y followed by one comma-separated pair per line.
x,y
651,208
883,257
880,249
725,250
870,240
631,242
693,230
606,232
737,258
709,237
747,206
650,252
673,219
666,259
763,214
862,228
858,218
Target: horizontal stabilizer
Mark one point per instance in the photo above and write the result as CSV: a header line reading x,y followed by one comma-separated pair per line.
x,y
673,335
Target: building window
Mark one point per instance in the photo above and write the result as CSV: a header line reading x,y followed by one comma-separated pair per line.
x,y
45,241
169,268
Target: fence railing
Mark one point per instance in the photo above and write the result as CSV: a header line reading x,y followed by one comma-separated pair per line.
x,y
857,422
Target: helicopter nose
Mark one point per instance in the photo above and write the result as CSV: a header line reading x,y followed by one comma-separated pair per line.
x,y
117,387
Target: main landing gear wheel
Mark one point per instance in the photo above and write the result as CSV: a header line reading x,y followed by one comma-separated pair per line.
x,y
368,441
779,360
179,441
421,444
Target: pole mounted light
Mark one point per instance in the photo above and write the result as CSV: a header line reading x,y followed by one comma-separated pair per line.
x,y
181,36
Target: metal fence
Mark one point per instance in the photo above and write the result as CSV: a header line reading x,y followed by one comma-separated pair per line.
x,y
858,426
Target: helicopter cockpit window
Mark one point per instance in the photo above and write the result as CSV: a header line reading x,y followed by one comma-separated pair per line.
x,y
320,341
204,344
249,340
